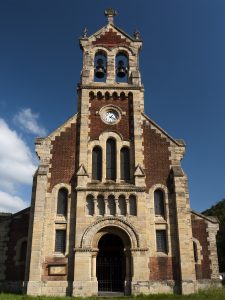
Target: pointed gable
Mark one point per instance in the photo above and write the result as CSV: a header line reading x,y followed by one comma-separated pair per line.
x,y
111,39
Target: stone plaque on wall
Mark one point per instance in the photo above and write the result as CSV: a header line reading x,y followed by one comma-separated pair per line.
x,y
57,270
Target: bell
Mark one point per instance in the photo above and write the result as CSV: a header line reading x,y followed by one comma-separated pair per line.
x,y
121,70
100,70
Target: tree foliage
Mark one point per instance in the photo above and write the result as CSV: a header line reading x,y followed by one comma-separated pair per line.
x,y
218,210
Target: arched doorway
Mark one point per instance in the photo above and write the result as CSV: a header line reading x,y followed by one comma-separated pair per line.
x,y
111,264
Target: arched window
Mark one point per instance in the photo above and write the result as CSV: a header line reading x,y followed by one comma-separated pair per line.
x,y
133,205
122,65
100,63
90,205
97,163
111,159
101,205
23,251
125,163
62,202
111,206
159,203
122,206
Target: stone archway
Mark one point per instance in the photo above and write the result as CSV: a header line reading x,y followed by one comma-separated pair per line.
x,y
124,229
113,260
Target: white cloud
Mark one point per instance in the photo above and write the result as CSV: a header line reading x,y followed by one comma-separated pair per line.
x,y
9,203
28,120
17,165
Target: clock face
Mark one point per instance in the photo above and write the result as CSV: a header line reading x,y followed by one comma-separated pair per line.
x,y
111,116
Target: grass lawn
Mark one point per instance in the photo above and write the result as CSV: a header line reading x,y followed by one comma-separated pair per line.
x,y
217,294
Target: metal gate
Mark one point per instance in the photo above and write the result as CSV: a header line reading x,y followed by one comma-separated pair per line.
x,y
110,273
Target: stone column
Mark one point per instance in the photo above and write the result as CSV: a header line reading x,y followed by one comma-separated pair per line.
x,y
37,244
117,206
128,272
93,268
83,284
212,229
106,207
184,230
140,276
95,207
127,207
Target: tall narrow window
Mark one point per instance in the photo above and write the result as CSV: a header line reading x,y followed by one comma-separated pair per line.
x,y
111,159
122,206
125,163
90,205
101,205
60,241
195,251
133,205
97,163
161,244
159,203
111,205
62,202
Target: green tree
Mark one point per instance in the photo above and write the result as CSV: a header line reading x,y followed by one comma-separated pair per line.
x,y
218,210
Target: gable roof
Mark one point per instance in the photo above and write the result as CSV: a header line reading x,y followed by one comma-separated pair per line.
x,y
211,219
178,142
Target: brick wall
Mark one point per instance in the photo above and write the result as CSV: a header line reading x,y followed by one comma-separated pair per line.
x,y
199,228
163,268
18,230
97,126
63,157
156,157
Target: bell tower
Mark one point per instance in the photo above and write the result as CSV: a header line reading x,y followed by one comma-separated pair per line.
x,y
111,96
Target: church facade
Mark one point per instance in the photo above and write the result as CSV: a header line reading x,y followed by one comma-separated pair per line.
x,y
110,205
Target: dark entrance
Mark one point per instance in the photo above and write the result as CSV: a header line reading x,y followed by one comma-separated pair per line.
x,y
111,264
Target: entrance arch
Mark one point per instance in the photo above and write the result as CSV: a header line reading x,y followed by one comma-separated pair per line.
x,y
111,264
126,238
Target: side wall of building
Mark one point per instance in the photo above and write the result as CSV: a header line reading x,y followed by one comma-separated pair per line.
x,y
204,231
13,242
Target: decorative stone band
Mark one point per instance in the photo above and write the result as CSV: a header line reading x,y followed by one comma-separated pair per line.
x,y
110,189
113,87
139,249
42,170
86,250
94,250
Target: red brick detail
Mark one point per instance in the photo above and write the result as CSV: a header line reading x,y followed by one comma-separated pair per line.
x,y
15,271
124,126
163,268
156,157
63,158
199,232
111,39
54,261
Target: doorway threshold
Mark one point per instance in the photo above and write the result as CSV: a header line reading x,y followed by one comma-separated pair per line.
x,y
110,294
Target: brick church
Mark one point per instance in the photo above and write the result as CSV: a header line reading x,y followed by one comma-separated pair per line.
x,y
110,205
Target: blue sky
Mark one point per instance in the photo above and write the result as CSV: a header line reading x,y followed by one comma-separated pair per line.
x,y
183,71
